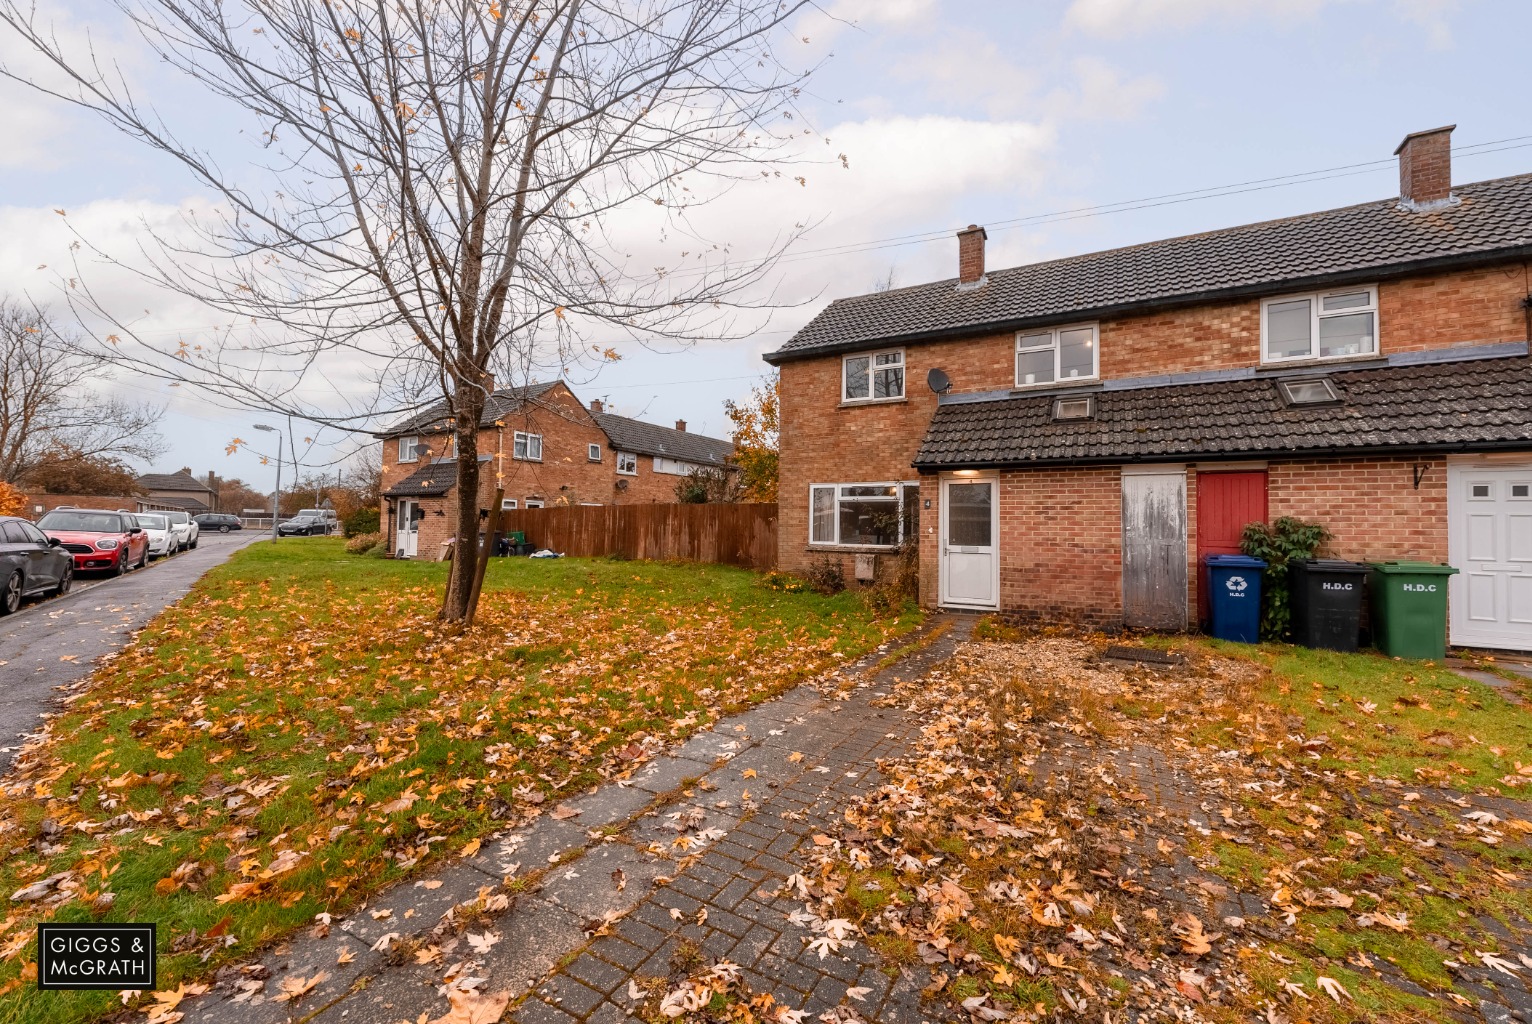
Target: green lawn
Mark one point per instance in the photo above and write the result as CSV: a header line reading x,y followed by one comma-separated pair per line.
x,y
299,729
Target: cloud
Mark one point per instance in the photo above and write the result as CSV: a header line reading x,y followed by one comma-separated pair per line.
x,y
823,24
1119,18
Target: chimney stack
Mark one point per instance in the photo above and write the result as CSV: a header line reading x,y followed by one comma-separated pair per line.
x,y
1425,169
681,426
596,405
971,256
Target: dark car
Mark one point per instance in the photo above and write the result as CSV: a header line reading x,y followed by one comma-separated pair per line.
x,y
98,540
220,521
302,525
30,563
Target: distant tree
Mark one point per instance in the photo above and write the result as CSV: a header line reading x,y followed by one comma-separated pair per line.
x,y
66,471
705,486
47,412
12,501
756,439
887,283
234,496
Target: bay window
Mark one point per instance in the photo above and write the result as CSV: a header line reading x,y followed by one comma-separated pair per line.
x,y
1321,325
862,515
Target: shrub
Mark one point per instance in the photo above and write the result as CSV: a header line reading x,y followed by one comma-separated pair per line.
x,y
898,580
362,521
1277,545
826,575
363,543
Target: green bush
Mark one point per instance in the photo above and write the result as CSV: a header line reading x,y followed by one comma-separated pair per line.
x,y
1277,545
363,520
362,543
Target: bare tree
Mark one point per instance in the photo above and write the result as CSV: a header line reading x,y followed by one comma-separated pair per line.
x,y
49,415
446,191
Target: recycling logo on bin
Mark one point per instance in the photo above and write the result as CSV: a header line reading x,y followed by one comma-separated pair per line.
x,y
1237,585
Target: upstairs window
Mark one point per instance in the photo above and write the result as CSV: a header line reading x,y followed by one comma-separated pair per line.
x,y
627,464
1059,355
873,377
528,447
409,448
593,452
1321,325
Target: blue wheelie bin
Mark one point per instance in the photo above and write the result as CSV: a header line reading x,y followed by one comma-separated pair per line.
x,y
1234,596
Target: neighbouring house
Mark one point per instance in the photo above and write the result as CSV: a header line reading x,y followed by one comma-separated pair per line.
x,y
178,491
544,447
1073,437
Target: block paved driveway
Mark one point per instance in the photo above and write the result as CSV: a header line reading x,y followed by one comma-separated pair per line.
x,y
53,643
732,795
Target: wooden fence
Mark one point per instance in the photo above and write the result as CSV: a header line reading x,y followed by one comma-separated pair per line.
x,y
744,535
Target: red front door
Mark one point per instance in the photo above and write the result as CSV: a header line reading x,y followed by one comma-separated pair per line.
x,y
1225,503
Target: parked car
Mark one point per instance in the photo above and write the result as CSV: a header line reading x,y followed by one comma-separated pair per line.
x,y
162,536
97,539
303,525
220,521
30,563
185,527
331,523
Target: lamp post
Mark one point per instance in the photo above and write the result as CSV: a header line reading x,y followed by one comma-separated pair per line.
x,y
277,497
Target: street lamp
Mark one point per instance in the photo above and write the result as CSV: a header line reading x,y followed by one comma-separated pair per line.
x,y
277,497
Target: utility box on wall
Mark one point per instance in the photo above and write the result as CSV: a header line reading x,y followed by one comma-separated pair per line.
x,y
866,568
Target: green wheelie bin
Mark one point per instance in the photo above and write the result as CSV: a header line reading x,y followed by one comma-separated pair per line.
x,y
1409,608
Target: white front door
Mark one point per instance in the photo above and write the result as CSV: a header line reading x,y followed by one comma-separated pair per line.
x,y
1489,542
408,536
970,550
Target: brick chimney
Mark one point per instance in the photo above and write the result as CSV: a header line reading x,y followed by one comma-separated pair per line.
x,y
681,426
1425,169
971,256
596,405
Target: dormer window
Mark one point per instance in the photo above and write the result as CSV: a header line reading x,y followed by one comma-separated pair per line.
x,y
1322,325
1074,408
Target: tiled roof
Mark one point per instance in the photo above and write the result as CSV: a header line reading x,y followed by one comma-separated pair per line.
x,y
640,438
501,403
191,505
177,481
1493,219
1470,405
431,480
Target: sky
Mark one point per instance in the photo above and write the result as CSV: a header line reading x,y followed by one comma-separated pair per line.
x,y
1064,127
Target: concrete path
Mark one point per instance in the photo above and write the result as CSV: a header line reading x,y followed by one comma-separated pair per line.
x,y
56,642
686,858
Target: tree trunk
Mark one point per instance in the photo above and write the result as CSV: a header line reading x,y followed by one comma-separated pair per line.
x,y
457,605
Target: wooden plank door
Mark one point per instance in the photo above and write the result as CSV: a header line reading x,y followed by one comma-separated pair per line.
x,y
1226,502
1154,549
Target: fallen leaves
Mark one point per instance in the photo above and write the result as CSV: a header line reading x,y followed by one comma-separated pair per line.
x,y
296,987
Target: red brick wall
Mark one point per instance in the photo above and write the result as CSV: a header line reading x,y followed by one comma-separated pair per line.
x,y
1061,543
1370,506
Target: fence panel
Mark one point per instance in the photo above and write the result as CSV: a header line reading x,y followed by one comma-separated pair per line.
x,y
744,535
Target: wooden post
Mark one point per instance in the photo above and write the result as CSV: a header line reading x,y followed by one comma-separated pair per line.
x,y
491,527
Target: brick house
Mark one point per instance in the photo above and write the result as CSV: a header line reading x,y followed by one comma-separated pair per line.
x,y
544,447
1102,422
179,490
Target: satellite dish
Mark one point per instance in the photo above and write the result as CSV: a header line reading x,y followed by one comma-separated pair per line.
x,y
938,381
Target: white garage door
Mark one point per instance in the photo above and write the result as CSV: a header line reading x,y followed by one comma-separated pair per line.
x,y
1489,522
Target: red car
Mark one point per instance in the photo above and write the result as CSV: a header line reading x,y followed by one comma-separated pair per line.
x,y
109,541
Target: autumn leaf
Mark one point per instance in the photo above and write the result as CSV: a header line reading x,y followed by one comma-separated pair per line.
x,y
297,987
473,1007
1332,988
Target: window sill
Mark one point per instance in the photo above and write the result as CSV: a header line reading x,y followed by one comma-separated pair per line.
x,y
621,473
1067,384
855,403
1312,362
522,458
863,549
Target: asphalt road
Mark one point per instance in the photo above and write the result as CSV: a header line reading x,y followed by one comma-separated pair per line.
x,y
52,643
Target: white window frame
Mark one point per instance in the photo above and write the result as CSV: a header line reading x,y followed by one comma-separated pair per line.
x,y
627,459
1316,314
835,542
872,368
409,443
593,452
522,444
507,504
534,503
1053,345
